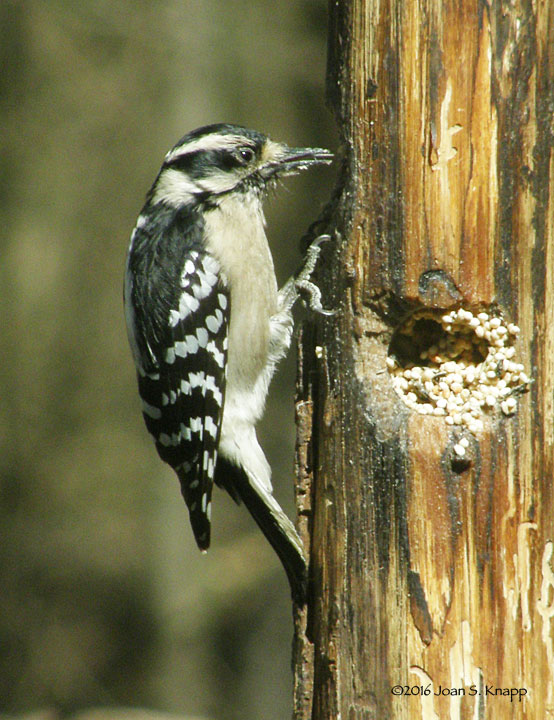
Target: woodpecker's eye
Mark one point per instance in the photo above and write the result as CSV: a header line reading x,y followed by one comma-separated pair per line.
x,y
246,154
239,157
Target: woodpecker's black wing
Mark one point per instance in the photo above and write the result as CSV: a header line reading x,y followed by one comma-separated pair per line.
x,y
183,387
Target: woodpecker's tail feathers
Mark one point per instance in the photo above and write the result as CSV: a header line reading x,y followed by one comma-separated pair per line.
x,y
272,521
281,534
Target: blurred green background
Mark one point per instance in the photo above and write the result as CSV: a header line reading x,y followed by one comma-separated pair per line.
x,y
104,599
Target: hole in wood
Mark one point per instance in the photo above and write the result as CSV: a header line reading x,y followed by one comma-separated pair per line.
x,y
457,365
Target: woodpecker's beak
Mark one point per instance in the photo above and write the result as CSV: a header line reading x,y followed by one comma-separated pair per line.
x,y
283,160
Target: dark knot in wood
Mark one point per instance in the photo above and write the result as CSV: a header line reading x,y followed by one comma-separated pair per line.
x,y
437,289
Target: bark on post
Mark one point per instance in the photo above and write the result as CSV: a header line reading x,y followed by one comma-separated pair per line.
x,y
431,568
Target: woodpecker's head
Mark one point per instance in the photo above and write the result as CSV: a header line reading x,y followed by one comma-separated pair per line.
x,y
215,160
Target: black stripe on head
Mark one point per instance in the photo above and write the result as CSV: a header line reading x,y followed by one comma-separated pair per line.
x,y
221,147
254,137
199,163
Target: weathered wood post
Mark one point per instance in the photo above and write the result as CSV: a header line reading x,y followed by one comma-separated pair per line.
x,y
425,467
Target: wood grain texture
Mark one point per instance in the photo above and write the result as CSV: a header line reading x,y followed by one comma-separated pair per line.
x,y
421,571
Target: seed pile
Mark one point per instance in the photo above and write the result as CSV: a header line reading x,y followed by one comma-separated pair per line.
x,y
457,365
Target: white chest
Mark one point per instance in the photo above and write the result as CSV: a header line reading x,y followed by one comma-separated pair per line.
x,y
235,235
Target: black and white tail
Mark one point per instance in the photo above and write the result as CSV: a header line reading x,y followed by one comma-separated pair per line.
x,y
272,521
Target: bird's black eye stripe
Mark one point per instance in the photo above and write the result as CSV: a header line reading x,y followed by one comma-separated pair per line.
x,y
201,162
187,162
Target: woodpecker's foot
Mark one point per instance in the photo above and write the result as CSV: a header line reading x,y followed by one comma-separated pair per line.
x,y
301,285
309,291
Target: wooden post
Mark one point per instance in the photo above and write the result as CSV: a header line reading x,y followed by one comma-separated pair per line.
x,y
432,540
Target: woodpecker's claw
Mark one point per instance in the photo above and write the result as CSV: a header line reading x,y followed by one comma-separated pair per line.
x,y
309,291
311,296
316,242
300,285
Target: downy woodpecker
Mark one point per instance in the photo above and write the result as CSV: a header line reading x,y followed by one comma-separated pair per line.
x,y
207,324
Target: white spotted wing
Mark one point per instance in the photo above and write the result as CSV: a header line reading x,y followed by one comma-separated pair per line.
x,y
183,400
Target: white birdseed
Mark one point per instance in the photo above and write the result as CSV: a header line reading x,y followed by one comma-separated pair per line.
x,y
450,381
